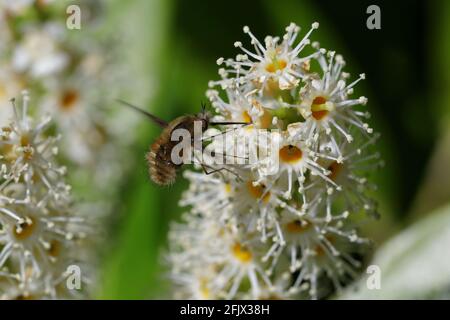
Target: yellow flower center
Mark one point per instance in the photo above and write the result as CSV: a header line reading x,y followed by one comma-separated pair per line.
x,y
275,65
297,226
228,188
319,250
290,154
246,117
69,99
25,140
204,290
258,191
319,108
7,151
335,169
55,248
25,229
241,253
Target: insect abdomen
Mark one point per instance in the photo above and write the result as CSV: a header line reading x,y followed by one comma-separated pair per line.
x,y
161,170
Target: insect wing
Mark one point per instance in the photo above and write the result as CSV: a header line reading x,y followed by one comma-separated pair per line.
x,y
152,117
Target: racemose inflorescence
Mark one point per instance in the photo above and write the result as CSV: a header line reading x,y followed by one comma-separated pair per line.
x,y
287,232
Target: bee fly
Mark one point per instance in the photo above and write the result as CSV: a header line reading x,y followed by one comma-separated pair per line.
x,y
162,170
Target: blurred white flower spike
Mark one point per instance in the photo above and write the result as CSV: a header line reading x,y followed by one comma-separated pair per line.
x,y
60,67
40,235
28,155
288,232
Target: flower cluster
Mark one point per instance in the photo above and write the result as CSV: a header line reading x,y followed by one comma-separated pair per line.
x,y
70,77
61,66
262,230
40,235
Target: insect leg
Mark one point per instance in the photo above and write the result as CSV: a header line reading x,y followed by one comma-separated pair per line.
x,y
205,167
214,170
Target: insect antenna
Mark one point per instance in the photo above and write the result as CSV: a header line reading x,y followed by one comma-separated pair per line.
x,y
152,117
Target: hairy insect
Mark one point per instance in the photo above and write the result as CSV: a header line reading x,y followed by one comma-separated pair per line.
x,y
162,169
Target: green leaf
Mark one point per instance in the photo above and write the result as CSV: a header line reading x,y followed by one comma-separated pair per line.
x,y
439,51
414,265
435,188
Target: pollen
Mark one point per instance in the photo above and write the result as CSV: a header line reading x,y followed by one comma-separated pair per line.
x,y
241,253
290,154
25,229
319,108
258,191
275,65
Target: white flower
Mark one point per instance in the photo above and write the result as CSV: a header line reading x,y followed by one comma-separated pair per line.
x,y
208,245
299,163
70,104
240,108
10,84
207,194
19,6
39,52
317,250
61,71
351,172
15,5
40,235
27,154
270,64
325,102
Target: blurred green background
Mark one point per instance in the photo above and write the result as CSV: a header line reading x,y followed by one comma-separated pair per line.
x,y
172,46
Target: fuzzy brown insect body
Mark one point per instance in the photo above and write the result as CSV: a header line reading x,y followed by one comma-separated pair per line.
x,y
162,170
